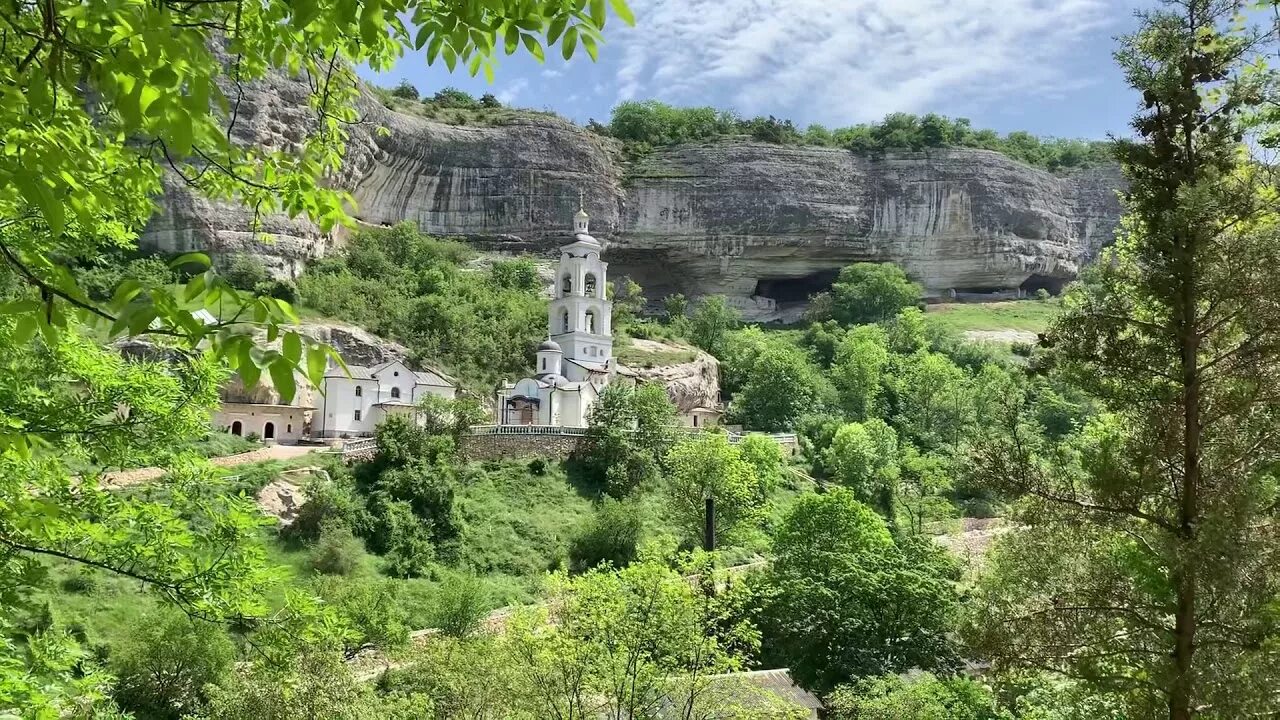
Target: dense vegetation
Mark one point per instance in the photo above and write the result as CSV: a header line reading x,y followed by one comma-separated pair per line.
x,y
1133,449
644,125
396,282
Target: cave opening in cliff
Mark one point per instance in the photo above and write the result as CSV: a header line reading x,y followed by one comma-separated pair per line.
x,y
1043,282
788,290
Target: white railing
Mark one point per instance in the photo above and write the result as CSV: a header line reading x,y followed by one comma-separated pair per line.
x,y
359,446
527,430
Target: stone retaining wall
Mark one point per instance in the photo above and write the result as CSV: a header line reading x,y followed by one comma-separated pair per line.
x,y
498,447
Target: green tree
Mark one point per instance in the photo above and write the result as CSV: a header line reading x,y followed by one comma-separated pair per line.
x,y
405,90
245,272
906,332
629,431
864,458
839,581
713,319
1150,566
611,535
871,292
922,697
459,605
858,371
934,400
707,466
782,385
102,99
675,307
162,671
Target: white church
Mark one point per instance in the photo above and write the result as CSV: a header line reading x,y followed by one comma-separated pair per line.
x,y
576,361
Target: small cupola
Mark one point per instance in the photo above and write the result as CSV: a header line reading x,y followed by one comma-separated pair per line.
x,y
549,357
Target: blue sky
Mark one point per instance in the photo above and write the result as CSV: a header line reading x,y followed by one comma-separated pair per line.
x,y
1039,65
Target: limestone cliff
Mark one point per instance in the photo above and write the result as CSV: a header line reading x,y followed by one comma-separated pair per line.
x,y
691,377
764,224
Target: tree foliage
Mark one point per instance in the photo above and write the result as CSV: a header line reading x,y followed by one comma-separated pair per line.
x,y
651,123
869,293
1149,569
840,581
411,287
707,466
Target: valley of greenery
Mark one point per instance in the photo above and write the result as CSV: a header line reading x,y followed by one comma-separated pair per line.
x,y
1126,464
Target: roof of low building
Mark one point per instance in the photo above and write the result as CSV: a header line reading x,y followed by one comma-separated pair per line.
x,y
549,345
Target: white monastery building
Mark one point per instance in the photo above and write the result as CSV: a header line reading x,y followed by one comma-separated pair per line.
x,y
576,361
353,406
261,412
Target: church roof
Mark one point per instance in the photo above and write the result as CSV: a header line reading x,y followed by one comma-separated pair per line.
x,y
588,365
549,345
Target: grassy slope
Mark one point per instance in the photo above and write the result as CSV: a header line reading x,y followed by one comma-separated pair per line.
x,y
516,526
1024,315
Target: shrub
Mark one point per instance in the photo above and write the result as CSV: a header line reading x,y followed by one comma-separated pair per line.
x,y
338,551
278,289
538,467
1022,349
405,90
372,609
452,97
611,535
488,100
82,583
460,605
244,272
1042,294
163,668
329,503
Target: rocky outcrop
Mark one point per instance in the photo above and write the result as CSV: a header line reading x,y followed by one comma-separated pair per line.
x,y
356,346
766,225
690,383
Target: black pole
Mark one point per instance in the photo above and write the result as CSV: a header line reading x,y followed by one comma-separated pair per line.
x,y
709,532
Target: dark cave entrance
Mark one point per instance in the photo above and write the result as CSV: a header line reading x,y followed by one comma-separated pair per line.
x,y
1043,282
789,290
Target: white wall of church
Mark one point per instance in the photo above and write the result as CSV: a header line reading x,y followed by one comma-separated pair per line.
x,y
343,410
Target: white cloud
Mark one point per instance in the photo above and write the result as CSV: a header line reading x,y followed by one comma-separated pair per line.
x,y
844,61
511,92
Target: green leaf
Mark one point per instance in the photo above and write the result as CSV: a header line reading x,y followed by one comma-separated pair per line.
x,y
512,39
589,43
433,48
291,347
597,13
282,378
570,42
36,192
19,306
24,330
249,370
531,44
199,259
317,363
622,11
556,28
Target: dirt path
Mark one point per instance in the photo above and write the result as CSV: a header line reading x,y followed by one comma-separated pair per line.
x,y
126,478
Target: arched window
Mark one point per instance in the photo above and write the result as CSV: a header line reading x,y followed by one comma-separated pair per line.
x,y
566,285
589,287
269,431
591,321
359,391
236,428
564,320
395,393
544,363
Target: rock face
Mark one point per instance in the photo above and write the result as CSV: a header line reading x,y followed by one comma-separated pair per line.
x,y
766,225
691,384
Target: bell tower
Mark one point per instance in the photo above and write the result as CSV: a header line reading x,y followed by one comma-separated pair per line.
x,y
581,316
